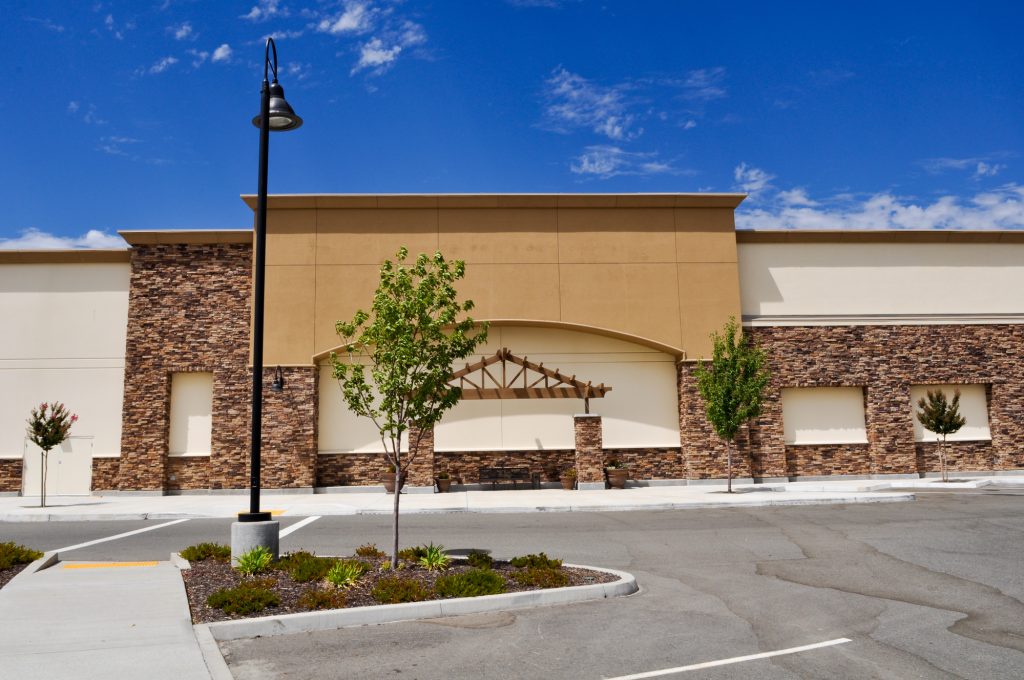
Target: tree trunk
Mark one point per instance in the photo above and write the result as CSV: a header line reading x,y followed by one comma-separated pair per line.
x,y
728,462
42,492
942,459
398,492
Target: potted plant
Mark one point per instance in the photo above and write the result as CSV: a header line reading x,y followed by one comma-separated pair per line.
x,y
617,473
568,479
388,479
443,481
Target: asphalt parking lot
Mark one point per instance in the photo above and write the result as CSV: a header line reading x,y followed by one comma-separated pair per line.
x,y
927,589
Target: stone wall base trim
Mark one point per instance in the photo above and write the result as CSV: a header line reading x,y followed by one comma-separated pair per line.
x,y
240,492
976,473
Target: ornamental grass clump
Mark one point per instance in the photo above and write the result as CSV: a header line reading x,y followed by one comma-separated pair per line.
x,y
255,561
13,554
396,589
345,573
304,566
472,583
247,597
536,561
434,558
206,551
413,554
370,550
480,560
539,577
323,598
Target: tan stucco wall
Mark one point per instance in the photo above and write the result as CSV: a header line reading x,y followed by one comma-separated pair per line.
x,y
660,267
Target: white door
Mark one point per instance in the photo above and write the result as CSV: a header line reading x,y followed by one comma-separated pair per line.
x,y
68,469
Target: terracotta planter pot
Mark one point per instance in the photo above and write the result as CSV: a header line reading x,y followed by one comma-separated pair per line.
x,y
388,479
567,482
443,485
617,477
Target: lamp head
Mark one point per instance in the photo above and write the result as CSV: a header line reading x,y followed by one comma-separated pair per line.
x,y
281,116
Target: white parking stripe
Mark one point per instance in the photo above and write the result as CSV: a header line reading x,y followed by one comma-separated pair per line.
x,y
297,526
125,534
735,659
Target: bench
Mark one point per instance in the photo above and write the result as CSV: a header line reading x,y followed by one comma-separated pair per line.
x,y
496,475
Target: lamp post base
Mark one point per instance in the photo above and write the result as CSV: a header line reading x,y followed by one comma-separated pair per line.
x,y
246,535
254,517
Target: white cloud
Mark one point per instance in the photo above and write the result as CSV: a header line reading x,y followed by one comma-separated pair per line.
x,y
380,52
281,35
575,102
606,161
1001,208
118,32
73,106
183,31
988,169
374,54
266,9
689,124
751,180
356,18
705,84
199,57
163,64
34,239
298,71
222,53
981,166
46,23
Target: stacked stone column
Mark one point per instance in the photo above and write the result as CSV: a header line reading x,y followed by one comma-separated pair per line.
x,y
589,451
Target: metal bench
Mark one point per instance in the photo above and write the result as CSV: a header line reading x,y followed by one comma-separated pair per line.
x,y
497,475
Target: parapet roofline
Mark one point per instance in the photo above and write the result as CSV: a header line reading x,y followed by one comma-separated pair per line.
x,y
66,256
187,236
371,201
795,236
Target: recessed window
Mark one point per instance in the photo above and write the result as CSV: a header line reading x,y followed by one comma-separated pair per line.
x,y
973,407
191,414
823,415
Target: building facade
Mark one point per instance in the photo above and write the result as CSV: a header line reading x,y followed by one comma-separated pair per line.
x,y
150,345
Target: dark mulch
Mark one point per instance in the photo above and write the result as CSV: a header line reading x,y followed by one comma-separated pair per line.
x,y
209,576
7,574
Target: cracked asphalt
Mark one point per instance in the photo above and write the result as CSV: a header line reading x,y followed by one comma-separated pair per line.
x,y
930,589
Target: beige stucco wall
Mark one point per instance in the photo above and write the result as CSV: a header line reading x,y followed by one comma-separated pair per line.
x,y
64,341
640,411
823,415
662,267
973,407
880,279
191,418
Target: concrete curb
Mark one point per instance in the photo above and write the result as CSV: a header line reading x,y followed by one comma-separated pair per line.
x,y
212,656
45,562
180,562
413,611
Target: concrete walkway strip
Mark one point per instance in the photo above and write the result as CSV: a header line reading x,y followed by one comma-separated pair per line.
x,y
412,611
117,536
298,525
106,565
735,659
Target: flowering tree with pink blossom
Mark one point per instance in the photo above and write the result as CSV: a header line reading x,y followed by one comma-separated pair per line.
x,y
49,427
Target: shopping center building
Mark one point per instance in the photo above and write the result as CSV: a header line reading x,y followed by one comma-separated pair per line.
x,y
606,301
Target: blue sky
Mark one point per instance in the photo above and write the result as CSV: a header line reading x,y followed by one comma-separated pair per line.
x,y
135,115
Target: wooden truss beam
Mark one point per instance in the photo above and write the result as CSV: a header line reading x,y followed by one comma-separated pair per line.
x,y
521,378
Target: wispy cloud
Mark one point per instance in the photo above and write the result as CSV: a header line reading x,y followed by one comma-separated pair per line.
x,y
221,54
355,18
162,65
183,31
89,116
199,57
979,166
606,161
35,239
48,24
550,4
751,180
266,9
705,84
1000,208
117,30
378,54
573,102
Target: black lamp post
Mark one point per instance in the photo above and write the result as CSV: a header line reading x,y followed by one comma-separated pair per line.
x,y
276,115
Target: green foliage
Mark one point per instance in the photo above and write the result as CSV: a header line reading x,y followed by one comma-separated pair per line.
x,y
412,554
532,561
733,384
938,415
398,358
248,597
370,551
569,472
480,560
540,577
304,566
13,554
434,557
395,589
346,572
323,598
615,464
470,584
254,561
207,551
50,425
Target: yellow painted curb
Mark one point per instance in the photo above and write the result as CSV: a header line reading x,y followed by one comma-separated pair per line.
x,y
273,513
108,565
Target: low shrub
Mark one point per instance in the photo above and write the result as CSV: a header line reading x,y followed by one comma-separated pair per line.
x,y
322,598
13,554
412,554
207,551
395,589
248,597
255,561
304,566
540,561
541,577
370,551
346,572
470,584
434,558
480,560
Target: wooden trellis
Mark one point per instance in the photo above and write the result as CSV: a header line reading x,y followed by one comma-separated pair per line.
x,y
520,378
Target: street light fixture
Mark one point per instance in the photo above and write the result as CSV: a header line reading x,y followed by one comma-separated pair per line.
x,y
276,115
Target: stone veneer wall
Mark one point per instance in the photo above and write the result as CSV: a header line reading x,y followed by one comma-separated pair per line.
x,y
10,474
187,473
104,473
464,466
886,361
589,449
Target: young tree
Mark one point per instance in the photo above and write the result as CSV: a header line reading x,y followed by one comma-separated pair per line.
x,y
941,417
732,385
48,427
410,340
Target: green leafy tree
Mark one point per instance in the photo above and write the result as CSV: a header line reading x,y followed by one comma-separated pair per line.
x,y
941,417
48,428
732,384
415,332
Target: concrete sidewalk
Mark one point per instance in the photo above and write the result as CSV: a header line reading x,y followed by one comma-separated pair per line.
x,y
83,620
82,508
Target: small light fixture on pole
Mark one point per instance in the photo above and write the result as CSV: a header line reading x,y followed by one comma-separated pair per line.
x,y
276,115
